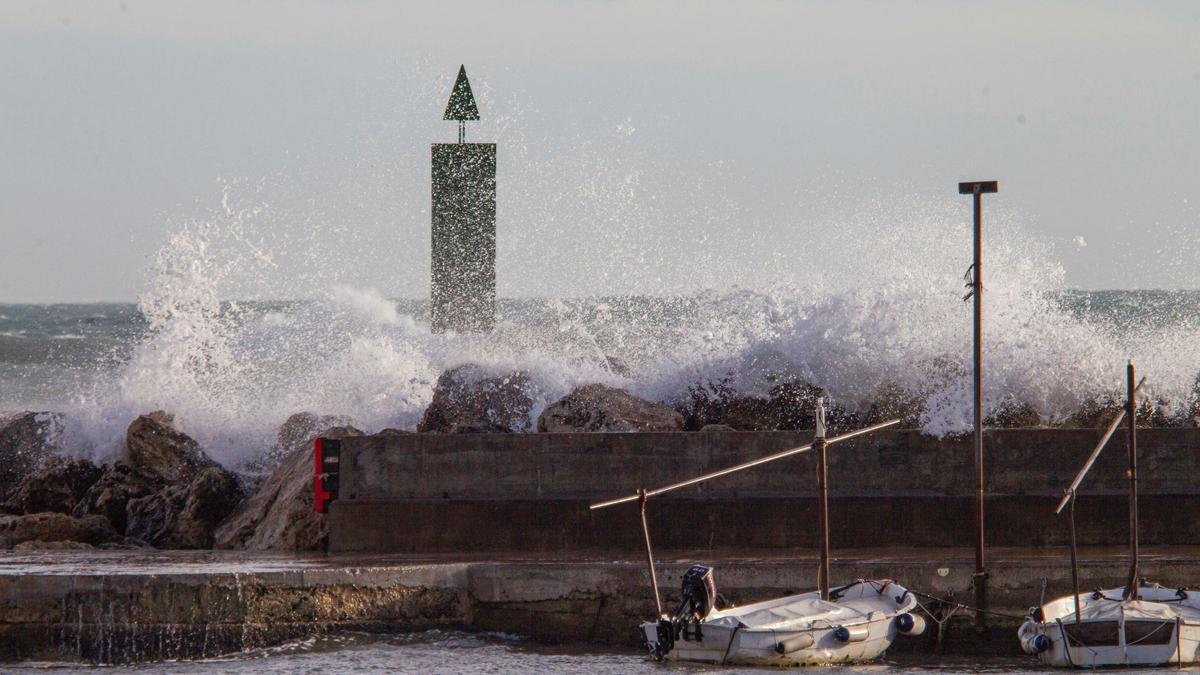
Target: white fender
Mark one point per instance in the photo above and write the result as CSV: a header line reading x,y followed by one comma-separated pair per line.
x,y
794,644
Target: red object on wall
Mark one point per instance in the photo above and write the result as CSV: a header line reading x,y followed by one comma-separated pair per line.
x,y
320,494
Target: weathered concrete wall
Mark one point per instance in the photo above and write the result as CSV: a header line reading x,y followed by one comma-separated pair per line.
x,y
493,492
121,607
106,613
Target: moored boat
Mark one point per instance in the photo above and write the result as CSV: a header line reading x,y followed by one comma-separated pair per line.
x,y
1161,627
856,624
1138,624
853,623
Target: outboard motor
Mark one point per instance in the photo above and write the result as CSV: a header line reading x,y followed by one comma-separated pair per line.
x,y
698,597
699,594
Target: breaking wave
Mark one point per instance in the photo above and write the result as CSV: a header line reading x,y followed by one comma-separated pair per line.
x,y
865,303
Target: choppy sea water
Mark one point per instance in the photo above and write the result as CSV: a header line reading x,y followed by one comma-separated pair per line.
x,y
863,306
435,652
232,372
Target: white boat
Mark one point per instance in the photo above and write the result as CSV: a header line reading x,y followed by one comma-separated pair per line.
x,y
856,625
1138,624
1162,628
852,624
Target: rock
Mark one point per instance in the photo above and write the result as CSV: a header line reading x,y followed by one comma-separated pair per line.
x,y
719,403
27,439
1097,413
596,407
110,495
716,428
1014,415
54,527
790,405
279,515
56,486
470,399
185,516
891,401
155,449
302,427
297,430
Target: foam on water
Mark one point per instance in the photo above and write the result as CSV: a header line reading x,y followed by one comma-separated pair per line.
x,y
871,299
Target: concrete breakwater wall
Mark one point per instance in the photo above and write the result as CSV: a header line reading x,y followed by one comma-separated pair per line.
x,y
428,493
123,607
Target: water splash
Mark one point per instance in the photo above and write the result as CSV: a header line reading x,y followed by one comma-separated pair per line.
x,y
868,302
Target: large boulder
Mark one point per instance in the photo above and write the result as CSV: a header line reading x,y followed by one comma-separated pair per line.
x,y
789,405
110,495
1013,414
184,516
57,485
891,401
27,439
54,527
471,399
166,491
596,407
156,450
299,429
279,515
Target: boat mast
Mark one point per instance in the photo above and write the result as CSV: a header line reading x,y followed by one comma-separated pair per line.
x,y
823,496
1131,585
1074,562
649,552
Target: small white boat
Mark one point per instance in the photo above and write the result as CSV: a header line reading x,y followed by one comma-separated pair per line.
x,y
852,624
857,624
1137,624
1162,628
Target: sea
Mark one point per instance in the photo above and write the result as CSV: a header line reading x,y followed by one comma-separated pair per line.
x,y
232,371
451,652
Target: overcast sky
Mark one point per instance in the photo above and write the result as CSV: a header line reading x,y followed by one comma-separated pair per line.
x,y
643,146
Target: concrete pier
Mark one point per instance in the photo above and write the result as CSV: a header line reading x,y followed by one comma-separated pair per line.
x,y
445,493
121,607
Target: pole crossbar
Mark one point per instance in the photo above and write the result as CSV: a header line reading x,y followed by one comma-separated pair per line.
x,y
1087,466
745,465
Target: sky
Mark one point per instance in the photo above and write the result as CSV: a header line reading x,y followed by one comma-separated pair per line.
x,y
644,147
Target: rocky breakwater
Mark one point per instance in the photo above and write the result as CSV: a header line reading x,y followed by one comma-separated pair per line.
x,y
162,491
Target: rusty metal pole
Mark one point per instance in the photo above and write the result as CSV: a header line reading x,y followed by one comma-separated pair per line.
x,y
642,499
1074,562
819,445
1131,587
977,189
823,491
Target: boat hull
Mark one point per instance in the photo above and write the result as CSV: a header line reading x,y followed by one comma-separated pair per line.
x,y
1162,628
720,646
858,630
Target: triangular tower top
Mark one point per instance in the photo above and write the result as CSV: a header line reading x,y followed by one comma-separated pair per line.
x,y
462,102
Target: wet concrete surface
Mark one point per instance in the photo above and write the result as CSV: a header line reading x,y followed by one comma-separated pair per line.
x,y
146,605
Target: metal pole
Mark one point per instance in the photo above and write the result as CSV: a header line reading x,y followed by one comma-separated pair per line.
x,y
977,189
823,496
1131,588
649,553
745,465
980,572
1074,561
1112,428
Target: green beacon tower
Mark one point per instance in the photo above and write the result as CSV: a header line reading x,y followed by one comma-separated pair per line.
x,y
463,283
